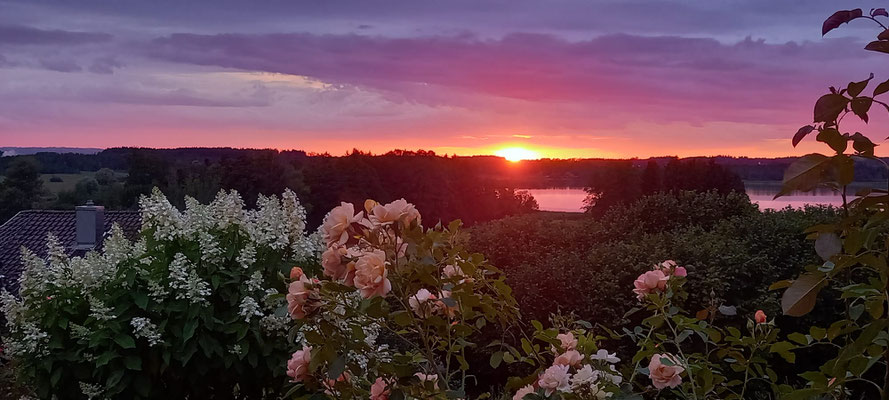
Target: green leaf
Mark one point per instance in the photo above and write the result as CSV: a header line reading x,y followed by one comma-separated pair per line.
x,y
881,46
496,359
833,138
828,245
801,133
141,299
805,174
862,144
800,297
783,349
838,18
133,362
105,358
841,170
855,88
125,341
336,368
402,318
881,88
798,338
860,106
780,284
114,378
188,329
829,107
817,333
56,375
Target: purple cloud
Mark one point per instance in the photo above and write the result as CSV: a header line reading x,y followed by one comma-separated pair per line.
x,y
26,35
60,65
740,81
105,65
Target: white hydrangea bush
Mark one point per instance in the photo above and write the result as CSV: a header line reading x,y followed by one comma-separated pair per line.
x,y
195,306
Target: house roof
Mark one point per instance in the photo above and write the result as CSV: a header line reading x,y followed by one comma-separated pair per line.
x,y
30,228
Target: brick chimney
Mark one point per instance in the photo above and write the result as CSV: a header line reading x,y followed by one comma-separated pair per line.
x,y
90,226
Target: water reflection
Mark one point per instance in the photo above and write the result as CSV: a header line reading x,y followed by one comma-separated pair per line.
x,y
762,193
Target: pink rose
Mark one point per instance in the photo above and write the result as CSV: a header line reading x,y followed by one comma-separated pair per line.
x,y
379,390
760,317
433,378
371,275
332,261
662,375
521,393
330,384
649,282
571,358
298,366
670,268
398,210
452,270
336,224
302,297
349,278
569,342
418,303
554,378
295,273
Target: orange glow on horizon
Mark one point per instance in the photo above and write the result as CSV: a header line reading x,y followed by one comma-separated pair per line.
x,y
516,154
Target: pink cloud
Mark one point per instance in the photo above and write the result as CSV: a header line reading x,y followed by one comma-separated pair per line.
x,y
658,78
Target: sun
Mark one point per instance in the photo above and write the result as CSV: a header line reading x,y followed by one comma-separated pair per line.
x,y
516,154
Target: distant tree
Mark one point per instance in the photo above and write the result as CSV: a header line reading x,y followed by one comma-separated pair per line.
x,y
105,176
611,185
618,182
147,169
21,189
700,175
86,188
56,179
651,178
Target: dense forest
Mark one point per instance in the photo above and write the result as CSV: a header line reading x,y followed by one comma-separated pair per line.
x,y
473,189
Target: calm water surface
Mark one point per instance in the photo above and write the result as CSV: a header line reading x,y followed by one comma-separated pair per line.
x,y
571,199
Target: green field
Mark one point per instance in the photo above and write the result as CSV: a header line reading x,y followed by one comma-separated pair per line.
x,y
69,180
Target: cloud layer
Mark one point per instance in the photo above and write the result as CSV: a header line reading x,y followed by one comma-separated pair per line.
x,y
575,79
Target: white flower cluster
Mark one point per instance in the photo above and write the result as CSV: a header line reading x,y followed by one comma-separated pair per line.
x,y
144,328
88,273
91,391
249,309
276,223
275,324
185,282
35,278
158,214
99,310
254,284
247,256
29,341
80,332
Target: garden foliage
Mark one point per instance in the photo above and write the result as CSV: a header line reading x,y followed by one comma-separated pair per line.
x,y
193,308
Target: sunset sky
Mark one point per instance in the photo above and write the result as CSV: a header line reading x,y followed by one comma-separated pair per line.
x,y
557,78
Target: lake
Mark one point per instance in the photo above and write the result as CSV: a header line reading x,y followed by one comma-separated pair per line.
x,y
571,199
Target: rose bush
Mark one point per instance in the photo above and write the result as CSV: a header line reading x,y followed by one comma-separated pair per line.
x,y
679,356
394,309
